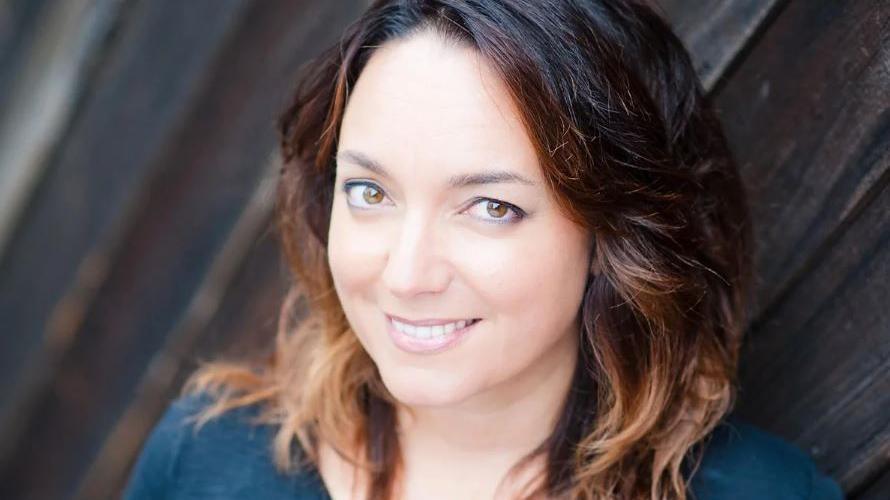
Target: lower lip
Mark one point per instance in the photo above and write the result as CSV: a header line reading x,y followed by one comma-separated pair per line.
x,y
427,346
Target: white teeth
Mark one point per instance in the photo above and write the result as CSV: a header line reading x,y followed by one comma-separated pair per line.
x,y
423,332
426,332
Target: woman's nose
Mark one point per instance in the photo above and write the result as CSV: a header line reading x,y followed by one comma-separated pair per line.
x,y
415,263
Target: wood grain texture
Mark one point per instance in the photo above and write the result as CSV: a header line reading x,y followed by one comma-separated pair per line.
x,y
878,490
66,241
41,89
233,314
807,116
817,371
19,21
717,32
201,183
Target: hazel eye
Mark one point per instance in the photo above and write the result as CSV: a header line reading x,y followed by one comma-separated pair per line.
x,y
363,194
372,195
497,212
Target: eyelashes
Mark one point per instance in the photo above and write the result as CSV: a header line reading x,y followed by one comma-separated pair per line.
x,y
359,199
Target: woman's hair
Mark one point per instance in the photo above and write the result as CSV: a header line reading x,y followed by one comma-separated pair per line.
x,y
633,151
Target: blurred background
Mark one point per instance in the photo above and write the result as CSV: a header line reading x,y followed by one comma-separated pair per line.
x,y
137,162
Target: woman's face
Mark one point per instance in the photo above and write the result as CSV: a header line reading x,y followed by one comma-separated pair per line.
x,y
441,215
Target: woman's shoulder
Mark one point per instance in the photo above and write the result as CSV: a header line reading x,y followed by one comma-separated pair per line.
x,y
227,457
743,461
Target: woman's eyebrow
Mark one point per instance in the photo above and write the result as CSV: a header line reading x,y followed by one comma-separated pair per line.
x,y
461,180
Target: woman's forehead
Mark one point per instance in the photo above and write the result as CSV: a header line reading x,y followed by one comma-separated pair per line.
x,y
421,100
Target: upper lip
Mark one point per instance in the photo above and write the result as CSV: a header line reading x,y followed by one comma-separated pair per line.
x,y
427,322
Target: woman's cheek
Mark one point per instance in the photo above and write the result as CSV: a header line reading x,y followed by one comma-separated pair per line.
x,y
496,267
530,271
354,249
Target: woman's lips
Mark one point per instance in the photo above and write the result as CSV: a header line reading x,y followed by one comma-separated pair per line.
x,y
443,335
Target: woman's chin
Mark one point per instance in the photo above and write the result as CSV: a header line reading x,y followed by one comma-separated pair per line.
x,y
417,390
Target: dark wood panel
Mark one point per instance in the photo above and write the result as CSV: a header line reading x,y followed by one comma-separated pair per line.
x,y
18,23
242,327
62,248
717,32
879,490
822,371
45,66
806,115
205,180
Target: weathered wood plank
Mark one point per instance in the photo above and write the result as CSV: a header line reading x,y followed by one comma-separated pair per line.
x,y
206,179
136,99
242,327
233,313
879,490
41,88
806,116
822,376
717,32
19,21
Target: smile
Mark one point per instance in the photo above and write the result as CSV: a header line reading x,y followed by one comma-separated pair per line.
x,y
429,331
428,336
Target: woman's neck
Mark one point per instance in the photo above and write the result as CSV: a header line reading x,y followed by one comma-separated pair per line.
x,y
466,450
469,447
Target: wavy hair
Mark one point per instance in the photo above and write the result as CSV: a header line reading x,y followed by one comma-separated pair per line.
x,y
632,149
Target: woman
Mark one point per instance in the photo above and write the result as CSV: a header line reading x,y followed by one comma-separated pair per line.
x,y
525,254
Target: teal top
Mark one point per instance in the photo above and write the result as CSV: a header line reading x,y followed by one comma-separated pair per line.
x,y
229,458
